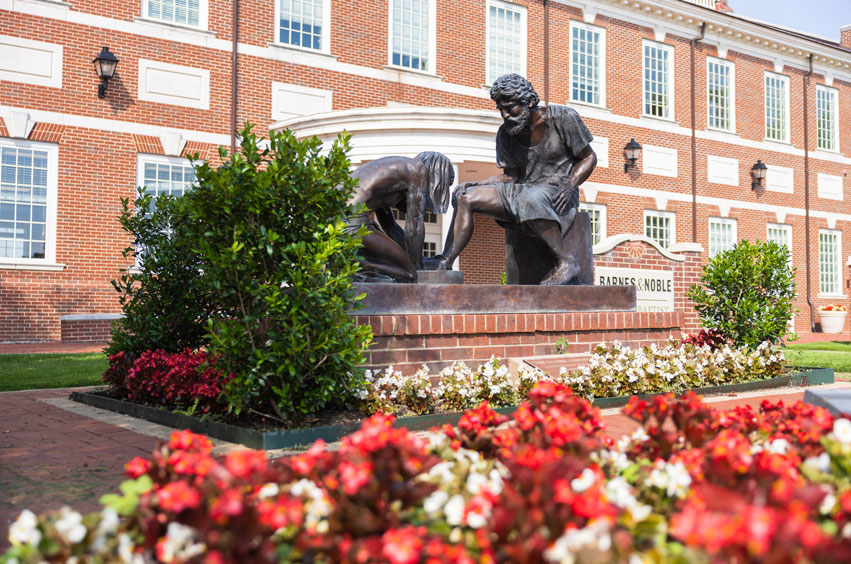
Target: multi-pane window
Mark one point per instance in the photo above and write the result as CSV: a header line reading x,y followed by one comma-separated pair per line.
x,y
163,177
722,235
776,107
23,202
781,234
826,120
185,12
659,226
719,89
429,248
410,34
300,23
428,217
658,80
506,35
587,63
828,261
597,213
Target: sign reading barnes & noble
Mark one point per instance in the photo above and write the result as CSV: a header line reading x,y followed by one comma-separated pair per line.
x,y
654,289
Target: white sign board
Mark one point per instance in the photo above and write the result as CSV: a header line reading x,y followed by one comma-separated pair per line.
x,y
654,289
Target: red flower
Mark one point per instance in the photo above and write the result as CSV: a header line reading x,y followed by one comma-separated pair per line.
x,y
229,504
402,546
354,476
244,463
178,496
282,512
137,467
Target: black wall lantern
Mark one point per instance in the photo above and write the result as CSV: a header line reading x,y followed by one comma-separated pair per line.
x,y
105,64
757,174
632,151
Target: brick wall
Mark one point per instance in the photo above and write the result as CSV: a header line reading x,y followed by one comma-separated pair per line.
x,y
408,341
99,140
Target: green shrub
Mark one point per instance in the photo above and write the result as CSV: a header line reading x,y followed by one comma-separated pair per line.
x,y
164,301
746,293
267,227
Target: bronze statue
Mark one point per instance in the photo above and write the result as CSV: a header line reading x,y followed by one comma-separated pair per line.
x,y
545,155
413,186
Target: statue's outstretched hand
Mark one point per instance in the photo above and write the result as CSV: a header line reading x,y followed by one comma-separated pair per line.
x,y
564,194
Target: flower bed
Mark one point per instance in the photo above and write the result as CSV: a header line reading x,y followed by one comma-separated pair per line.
x,y
694,484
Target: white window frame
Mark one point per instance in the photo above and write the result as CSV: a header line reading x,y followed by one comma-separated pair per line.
x,y
203,16
787,121
602,31
52,151
432,40
523,32
325,39
601,208
661,214
834,93
669,72
838,257
732,102
785,228
720,221
143,158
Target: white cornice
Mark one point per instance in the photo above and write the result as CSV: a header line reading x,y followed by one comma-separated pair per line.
x,y
610,243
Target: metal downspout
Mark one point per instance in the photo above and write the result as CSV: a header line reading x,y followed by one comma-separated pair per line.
x,y
233,76
546,52
807,191
693,137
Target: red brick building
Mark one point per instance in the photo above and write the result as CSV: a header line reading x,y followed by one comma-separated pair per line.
x,y
707,93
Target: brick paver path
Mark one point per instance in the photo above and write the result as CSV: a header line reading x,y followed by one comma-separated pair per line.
x,y
51,457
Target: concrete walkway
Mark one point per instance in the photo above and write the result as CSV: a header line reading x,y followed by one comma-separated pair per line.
x,y
56,452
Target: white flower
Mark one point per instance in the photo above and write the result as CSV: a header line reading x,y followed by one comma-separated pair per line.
x,y
442,471
842,431
125,550
820,462
177,543
619,492
476,520
595,535
25,529
269,490
454,510
475,482
584,481
435,502
827,504
495,482
70,526
108,521
777,446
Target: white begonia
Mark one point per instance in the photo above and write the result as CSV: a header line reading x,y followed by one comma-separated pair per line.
x,y
476,520
777,446
476,482
268,490
583,481
435,501
595,535
673,478
25,529
178,543
495,481
827,504
842,431
619,492
820,462
70,526
454,510
443,472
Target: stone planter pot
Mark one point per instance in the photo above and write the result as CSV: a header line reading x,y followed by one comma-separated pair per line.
x,y
832,321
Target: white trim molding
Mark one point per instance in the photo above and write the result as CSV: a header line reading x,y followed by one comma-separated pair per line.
x,y
174,84
30,62
292,100
671,253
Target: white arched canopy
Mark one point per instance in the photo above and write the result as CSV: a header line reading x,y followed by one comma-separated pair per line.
x,y
462,135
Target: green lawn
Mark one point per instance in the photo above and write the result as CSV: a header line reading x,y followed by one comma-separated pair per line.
x,y
838,346
838,360
34,371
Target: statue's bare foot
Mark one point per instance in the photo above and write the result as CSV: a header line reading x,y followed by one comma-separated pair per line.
x,y
562,276
437,262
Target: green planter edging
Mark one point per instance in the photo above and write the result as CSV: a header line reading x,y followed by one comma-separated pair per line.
x,y
290,438
805,377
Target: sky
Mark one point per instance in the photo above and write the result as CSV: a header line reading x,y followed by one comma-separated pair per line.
x,y
818,17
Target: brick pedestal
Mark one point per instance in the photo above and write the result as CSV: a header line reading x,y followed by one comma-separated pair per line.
x,y
408,341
